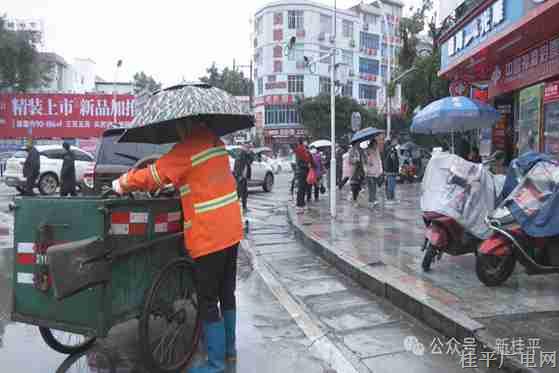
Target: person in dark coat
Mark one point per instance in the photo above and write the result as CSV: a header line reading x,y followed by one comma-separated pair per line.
x,y
241,171
68,173
304,161
391,170
31,168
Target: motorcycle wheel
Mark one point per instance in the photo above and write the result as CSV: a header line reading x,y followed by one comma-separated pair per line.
x,y
428,258
493,270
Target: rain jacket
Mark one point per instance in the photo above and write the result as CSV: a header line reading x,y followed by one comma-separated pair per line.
x,y
32,165
199,169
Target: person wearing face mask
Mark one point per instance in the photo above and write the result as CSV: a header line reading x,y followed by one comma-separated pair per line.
x,y
303,160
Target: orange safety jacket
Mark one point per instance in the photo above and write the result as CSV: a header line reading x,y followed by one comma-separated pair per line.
x,y
199,169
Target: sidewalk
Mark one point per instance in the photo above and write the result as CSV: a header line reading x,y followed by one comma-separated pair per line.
x,y
381,249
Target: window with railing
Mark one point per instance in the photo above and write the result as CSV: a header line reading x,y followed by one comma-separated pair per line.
x,y
278,51
278,66
347,29
368,66
324,85
347,90
295,83
281,114
367,92
278,18
325,24
369,41
295,20
258,26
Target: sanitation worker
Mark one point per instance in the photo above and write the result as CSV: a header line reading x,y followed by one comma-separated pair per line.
x,y
31,168
198,166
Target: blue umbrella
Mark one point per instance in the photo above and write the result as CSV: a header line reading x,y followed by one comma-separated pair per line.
x,y
365,134
454,114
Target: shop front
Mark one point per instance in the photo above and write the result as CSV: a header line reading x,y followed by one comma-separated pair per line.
x,y
511,47
282,139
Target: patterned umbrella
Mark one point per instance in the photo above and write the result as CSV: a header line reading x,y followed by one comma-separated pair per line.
x,y
156,120
365,134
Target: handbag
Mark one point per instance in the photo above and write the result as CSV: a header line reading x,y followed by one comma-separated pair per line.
x,y
311,177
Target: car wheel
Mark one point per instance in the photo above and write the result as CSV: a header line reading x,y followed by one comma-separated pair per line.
x,y
48,183
268,183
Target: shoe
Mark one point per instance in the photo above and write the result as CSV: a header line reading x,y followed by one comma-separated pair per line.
x,y
215,345
230,321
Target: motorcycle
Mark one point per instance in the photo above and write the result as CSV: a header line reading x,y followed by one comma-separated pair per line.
x,y
525,228
456,196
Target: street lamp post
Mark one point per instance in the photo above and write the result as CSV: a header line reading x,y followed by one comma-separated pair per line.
x,y
388,80
333,124
115,103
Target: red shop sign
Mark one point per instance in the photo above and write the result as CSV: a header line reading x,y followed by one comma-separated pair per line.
x,y
551,92
533,66
45,115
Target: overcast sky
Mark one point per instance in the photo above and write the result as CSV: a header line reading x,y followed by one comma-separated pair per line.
x,y
168,39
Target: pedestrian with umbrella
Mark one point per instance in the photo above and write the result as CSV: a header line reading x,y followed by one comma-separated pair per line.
x,y
195,116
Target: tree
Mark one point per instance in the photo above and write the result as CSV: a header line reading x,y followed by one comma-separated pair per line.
x,y
230,80
315,116
144,82
410,28
21,65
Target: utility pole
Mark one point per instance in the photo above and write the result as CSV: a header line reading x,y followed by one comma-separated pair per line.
x,y
333,122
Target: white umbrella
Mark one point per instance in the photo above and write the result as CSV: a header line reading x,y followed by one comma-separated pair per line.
x,y
321,144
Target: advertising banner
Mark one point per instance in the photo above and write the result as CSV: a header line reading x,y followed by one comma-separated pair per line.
x,y
45,115
529,118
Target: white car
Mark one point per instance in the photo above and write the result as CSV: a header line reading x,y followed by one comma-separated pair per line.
x,y
51,165
262,174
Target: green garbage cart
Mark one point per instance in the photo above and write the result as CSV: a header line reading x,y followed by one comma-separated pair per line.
x,y
84,264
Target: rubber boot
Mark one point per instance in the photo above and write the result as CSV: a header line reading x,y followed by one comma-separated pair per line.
x,y
215,344
230,319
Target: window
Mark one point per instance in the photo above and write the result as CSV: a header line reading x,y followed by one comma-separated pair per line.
x,y
324,85
347,29
260,89
367,92
367,40
368,66
258,26
384,50
54,153
325,23
295,20
370,19
278,18
81,156
281,114
278,51
295,83
384,71
347,58
323,52
347,90
278,35
277,66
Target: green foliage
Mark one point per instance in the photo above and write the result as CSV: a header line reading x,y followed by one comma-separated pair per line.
x,y
145,83
410,28
231,81
21,65
315,116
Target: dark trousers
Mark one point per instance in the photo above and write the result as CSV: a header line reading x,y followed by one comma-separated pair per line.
x,y
30,184
302,186
242,191
68,189
216,277
355,189
316,188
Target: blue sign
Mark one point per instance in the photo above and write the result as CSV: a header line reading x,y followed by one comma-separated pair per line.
x,y
492,21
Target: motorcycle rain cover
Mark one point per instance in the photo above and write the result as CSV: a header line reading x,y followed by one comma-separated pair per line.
x,y
534,203
462,190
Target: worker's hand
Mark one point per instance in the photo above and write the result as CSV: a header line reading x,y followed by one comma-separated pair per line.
x,y
116,187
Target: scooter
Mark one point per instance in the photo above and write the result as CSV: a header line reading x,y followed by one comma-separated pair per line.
x,y
538,251
443,233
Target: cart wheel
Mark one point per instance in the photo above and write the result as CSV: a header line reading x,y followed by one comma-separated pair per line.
x,y
64,342
169,327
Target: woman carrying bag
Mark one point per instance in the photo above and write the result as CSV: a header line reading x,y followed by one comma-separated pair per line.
x,y
358,175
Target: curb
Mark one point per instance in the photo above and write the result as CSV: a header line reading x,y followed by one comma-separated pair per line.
x,y
385,281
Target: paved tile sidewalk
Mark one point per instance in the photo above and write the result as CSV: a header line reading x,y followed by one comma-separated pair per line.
x,y
392,235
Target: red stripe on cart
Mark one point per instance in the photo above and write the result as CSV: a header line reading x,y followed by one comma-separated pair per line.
x,y
120,217
138,229
26,259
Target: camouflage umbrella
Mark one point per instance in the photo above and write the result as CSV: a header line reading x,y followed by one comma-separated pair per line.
x,y
156,119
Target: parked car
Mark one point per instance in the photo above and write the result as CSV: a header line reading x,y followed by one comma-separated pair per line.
x,y
4,156
262,174
114,159
51,165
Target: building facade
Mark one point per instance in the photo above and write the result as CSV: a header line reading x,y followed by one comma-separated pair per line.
x,y
282,77
507,52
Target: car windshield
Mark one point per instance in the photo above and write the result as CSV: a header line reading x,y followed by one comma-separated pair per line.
x,y
112,152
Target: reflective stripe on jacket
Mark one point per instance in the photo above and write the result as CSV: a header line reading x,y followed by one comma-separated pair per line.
x,y
199,170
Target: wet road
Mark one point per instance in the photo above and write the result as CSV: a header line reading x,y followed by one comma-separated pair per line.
x,y
266,330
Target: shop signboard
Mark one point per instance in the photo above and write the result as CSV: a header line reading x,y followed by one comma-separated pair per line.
x,y
46,115
493,20
551,118
529,108
535,65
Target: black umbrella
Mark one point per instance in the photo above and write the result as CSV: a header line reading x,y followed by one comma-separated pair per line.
x,y
158,117
365,134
